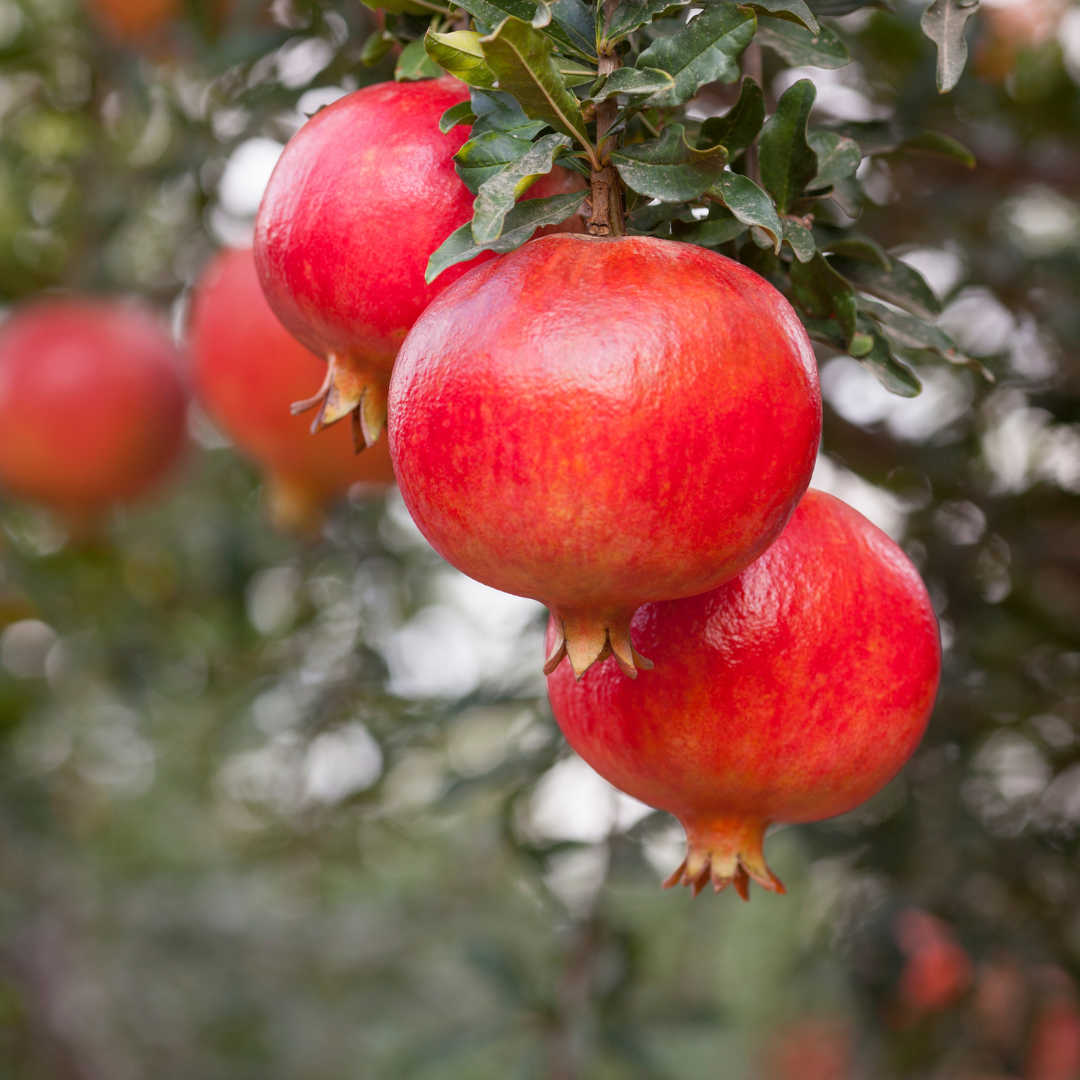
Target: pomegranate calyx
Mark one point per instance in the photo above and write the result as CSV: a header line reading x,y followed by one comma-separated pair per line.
x,y
725,852
590,637
350,388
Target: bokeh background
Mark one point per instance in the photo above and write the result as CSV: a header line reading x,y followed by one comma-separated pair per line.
x,y
277,809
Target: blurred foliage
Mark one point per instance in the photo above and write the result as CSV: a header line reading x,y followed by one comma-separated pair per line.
x,y
280,811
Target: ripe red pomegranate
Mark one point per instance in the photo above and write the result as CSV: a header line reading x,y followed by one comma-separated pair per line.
x,y
247,369
128,19
92,405
938,971
790,694
362,196
599,423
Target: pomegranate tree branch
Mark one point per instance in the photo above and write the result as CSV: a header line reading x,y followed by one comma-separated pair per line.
x,y
606,198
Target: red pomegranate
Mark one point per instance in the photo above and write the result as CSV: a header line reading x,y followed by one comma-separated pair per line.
x,y
362,196
790,694
92,406
247,368
937,971
129,19
600,423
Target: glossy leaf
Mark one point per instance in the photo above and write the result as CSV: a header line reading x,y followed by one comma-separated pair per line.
x,y
892,373
575,20
801,47
909,332
800,239
943,22
902,285
838,157
520,224
636,81
522,61
705,50
497,196
460,54
713,232
790,10
415,64
486,155
858,247
631,14
461,113
824,294
493,12
739,126
748,203
668,168
496,111
788,162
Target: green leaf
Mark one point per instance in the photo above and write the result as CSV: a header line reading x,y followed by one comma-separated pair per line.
x,y
909,332
873,136
920,141
520,224
497,196
631,14
748,203
788,162
415,64
461,113
790,10
522,61
460,54
575,74
633,81
857,247
895,376
703,51
739,126
943,22
496,111
802,47
713,231
833,9
800,239
848,194
902,285
486,155
376,46
405,7
824,294
493,12
838,157
575,20
667,168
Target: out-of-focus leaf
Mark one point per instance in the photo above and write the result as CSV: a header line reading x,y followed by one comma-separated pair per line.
x,y
858,247
635,81
873,136
739,126
406,7
460,54
901,285
943,22
376,47
705,50
909,332
713,231
921,141
461,113
789,10
668,168
825,294
884,137
800,239
520,224
498,195
838,157
833,9
748,203
522,61
415,64
788,162
802,47
848,195
892,373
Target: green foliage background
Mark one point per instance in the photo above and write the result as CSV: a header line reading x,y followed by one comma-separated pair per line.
x,y
184,893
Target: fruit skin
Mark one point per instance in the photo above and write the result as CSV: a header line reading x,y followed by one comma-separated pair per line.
x,y
937,971
92,405
361,197
600,423
128,19
792,693
247,369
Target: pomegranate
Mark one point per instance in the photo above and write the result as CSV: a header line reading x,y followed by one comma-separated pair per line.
x,y
92,406
247,368
600,423
128,19
937,971
790,694
362,196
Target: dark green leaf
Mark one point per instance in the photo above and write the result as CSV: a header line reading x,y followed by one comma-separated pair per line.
x,y
493,12
498,194
576,22
833,9
415,64
895,376
739,126
520,224
909,332
406,7
902,285
713,231
574,74
921,141
633,81
748,203
857,247
703,51
943,22
788,162
667,168
522,61
824,294
461,113
631,14
487,154
460,54
376,46
496,111
800,239
838,158
800,46
790,10
848,195
873,136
